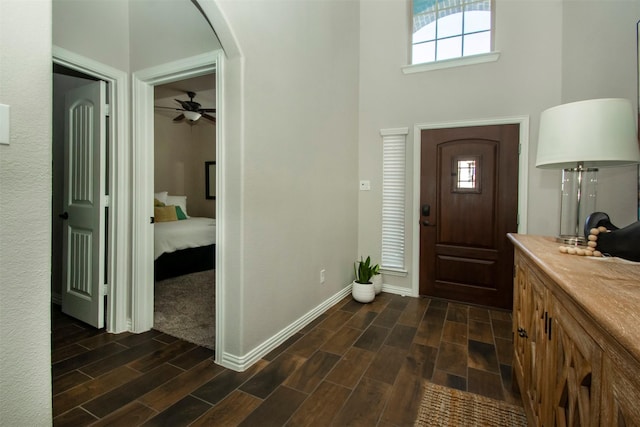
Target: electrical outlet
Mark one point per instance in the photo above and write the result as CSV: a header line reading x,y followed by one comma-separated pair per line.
x,y
322,275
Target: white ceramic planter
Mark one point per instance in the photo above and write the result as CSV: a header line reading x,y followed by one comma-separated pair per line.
x,y
363,292
377,283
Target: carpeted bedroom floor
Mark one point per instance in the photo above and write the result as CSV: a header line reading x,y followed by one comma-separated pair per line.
x,y
184,307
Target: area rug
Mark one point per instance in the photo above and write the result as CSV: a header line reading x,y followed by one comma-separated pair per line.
x,y
184,307
442,406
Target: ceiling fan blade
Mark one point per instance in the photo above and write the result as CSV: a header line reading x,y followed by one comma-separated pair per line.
x,y
179,118
207,110
185,104
168,108
208,117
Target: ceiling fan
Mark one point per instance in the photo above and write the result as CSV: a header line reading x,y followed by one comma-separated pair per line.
x,y
191,110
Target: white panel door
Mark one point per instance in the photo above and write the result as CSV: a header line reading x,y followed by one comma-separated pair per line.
x,y
84,203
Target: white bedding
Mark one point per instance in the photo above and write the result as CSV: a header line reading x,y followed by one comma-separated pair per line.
x,y
187,233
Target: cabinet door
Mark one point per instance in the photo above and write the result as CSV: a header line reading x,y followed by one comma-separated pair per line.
x,y
576,376
537,348
620,394
529,339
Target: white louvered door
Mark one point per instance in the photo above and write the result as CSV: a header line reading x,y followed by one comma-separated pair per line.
x,y
84,202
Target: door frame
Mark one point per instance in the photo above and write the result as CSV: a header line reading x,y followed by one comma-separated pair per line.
x,y
143,83
118,158
523,176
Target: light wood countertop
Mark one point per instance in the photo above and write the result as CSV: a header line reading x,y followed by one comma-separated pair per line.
x,y
607,289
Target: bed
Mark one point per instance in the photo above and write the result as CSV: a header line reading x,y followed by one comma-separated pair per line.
x,y
182,245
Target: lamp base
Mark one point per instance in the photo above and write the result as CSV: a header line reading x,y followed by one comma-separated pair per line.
x,y
572,240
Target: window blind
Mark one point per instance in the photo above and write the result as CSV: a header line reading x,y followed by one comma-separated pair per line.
x,y
393,198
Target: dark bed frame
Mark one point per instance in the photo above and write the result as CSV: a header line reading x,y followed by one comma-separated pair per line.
x,y
185,261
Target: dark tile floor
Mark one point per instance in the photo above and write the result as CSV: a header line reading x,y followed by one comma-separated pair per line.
x,y
354,365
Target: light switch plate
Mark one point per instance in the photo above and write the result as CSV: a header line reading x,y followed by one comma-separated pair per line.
x,y
365,185
4,124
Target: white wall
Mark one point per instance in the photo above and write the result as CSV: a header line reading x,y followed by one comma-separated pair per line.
x,y
297,155
25,206
551,52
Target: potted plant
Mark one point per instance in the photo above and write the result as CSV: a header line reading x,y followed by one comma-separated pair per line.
x,y
377,279
362,289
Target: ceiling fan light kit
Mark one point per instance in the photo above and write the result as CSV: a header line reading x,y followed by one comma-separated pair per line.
x,y
191,110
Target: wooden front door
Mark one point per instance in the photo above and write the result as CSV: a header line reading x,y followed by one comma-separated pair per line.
x,y
469,202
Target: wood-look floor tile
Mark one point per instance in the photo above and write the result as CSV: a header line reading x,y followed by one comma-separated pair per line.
x,y
67,381
340,342
452,358
175,389
365,404
72,334
283,347
458,313
83,359
315,322
449,380
352,306
413,312
192,358
180,414
485,383
421,361
158,357
455,332
66,352
130,391
230,411
321,406
502,328
164,338
137,339
509,386
379,303
263,383
122,358
504,349
227,381
387,318
308,344
372,338
336,320
386,364
350,368
75,418
401,336
132,414
276,409
405,398
478,313
500,315
480,331
483,356
307,377
398,302
86,391
362,319
429,331
438,304
102,339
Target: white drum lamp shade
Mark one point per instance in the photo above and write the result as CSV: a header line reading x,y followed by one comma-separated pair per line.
x,y
578,138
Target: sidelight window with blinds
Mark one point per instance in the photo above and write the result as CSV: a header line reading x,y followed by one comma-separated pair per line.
x,y
393,198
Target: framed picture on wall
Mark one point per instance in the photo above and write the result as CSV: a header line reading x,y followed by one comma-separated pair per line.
x,y
210,180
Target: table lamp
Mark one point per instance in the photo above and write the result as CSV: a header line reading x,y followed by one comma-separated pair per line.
x,y
580,137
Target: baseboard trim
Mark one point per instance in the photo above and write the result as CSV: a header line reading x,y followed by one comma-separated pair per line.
x,y
398,290
241,363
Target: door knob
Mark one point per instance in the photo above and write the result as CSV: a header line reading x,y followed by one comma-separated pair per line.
x,y
64,215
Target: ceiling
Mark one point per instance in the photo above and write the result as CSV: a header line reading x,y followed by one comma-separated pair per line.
x,y
203,86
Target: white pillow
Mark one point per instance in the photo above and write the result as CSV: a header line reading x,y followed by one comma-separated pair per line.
x,y
161,196
178,201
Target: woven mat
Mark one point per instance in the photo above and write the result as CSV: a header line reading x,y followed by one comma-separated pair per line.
x,y
442,406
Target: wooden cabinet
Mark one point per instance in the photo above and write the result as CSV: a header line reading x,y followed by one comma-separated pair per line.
x,y
570,370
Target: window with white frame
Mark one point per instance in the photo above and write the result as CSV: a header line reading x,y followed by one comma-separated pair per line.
x,y
446,29
393,198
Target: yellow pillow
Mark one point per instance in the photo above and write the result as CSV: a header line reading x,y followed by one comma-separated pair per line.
x,y
157,202
165,213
